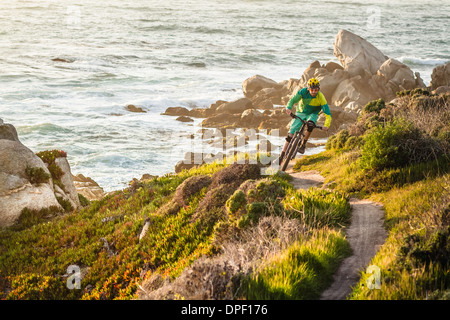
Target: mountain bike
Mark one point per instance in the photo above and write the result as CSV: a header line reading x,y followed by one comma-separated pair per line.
x,y
295,143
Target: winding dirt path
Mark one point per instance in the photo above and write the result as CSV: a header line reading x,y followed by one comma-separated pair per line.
x,y
366,234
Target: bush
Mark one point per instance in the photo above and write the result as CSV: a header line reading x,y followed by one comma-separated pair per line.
x,y
65,204
396,144
50,156
236,201
374,106
37,175
426,249
29,217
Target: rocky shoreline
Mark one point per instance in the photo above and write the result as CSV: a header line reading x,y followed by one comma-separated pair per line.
x,y
365,74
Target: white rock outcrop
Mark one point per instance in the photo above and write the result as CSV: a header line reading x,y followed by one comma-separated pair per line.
x,y
16,188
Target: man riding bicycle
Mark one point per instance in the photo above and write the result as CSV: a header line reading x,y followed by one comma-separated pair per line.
x,y
312,103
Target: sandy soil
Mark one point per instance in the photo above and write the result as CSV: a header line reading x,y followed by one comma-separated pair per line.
x,y
366,234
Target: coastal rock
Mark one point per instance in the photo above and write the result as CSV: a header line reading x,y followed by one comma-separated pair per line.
x,y
354,90
329,81
87,187
267,97
70,191
309,73
356,54
256,83
176,111
332,66
367,74
133,108
236,106
222,120
184,119
191,160
8,132
200,113
251,118
16,190
273,123
399,76
215,105
441,90
440,76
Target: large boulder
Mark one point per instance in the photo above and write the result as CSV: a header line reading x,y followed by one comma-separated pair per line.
x,y
87,187
8,132
367,74
69,191
329,81
176,111
222,120
400,76
25,180
440,76
351,90
356,54
256,83
16,190
251,118
236,106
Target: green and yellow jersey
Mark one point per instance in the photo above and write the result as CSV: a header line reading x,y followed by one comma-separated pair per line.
x,y
309,107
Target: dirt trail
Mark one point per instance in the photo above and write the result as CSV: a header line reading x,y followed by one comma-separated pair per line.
x,y
365,234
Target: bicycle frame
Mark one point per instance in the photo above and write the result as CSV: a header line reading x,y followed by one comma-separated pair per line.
x,y
296,140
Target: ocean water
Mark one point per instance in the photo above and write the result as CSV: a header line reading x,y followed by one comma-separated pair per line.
x,y
69,68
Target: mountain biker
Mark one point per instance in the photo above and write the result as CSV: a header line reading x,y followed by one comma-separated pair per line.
x,y
312,103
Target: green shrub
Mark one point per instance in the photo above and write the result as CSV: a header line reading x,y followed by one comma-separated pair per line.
x,y
65,204
426,249
236,202
37,175
29,217
83,200
374,106
50,156
414,92
396,144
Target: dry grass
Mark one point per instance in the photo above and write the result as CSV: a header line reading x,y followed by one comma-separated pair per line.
x,y
219,277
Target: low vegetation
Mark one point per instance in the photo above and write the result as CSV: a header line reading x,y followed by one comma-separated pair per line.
x,y
197,221
398,155
225,231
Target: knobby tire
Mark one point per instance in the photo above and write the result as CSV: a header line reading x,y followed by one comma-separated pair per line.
x,y
292,150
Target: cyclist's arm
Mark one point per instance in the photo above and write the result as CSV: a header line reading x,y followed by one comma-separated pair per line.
x,y
295,99
326,111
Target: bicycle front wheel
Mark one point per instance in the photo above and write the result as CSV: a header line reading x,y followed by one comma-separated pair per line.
x,y
292,150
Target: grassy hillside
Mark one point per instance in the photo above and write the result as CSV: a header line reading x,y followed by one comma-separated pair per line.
x,y
202,215
225,231
398,155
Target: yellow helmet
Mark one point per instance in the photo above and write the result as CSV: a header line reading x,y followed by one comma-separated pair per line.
x,y
313,83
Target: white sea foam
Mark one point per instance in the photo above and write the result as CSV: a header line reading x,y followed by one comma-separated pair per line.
x,y
415,61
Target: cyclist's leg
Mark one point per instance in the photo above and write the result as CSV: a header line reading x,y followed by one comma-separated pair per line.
x,y
311,120
294,126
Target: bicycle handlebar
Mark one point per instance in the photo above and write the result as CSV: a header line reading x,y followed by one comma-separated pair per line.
x,y
297,117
